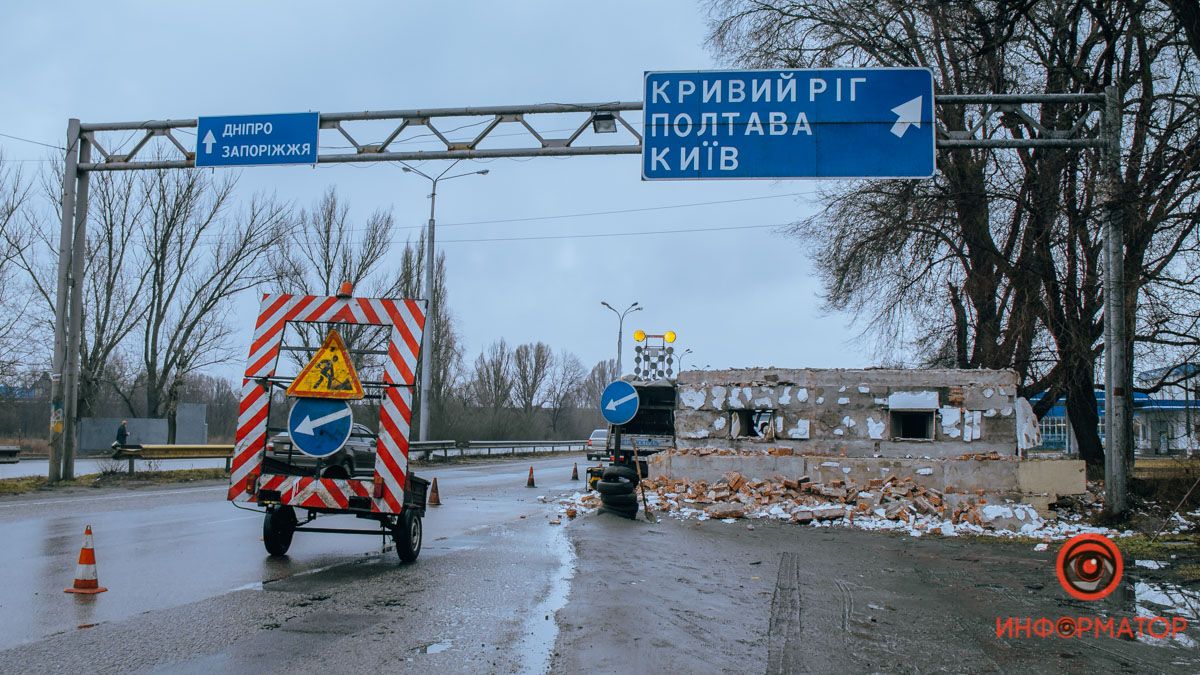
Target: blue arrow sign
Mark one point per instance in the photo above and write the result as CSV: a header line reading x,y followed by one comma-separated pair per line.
x,y
833,123
319,427
619,402
248,140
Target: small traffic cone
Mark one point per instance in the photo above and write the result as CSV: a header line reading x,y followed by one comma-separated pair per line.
x,y
85,574
434,498
575,472
530,483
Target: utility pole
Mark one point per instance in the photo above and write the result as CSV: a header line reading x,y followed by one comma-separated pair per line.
x,y
1118,403
58,418
635,307
430,263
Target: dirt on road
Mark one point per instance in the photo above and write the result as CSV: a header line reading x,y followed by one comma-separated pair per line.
x,y
711,596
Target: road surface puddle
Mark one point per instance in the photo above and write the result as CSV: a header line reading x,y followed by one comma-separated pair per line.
x,y
541,628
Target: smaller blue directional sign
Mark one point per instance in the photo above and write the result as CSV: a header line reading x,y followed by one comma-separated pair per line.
x,y
619,402
249,140
319,427
831,123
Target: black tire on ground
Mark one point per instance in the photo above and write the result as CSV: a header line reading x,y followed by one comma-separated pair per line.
x,y
607,487
407,535
624,513
278,527
618,472
629,501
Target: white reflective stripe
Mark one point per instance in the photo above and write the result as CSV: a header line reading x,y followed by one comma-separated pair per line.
x,y
390,368
357,312
411,321
279,317
85,572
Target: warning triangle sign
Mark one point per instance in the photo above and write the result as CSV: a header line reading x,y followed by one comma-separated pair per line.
x,y
329,374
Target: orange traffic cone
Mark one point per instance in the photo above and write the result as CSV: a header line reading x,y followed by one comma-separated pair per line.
x,y
575,472
530,483
434,498
85,574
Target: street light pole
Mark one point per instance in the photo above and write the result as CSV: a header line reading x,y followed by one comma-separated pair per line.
x,y
430,263
685,353
635,307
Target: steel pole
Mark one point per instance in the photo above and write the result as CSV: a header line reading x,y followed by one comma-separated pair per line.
x,y
62,299
427,334
1118,383
620,331
75,320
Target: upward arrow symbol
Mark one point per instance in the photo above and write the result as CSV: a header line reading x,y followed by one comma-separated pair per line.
x,y
208,141
908,114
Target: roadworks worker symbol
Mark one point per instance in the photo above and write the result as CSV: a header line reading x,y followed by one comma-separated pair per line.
x,y
329,374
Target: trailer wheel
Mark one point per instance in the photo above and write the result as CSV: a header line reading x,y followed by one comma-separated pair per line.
x,y
278,527
407,535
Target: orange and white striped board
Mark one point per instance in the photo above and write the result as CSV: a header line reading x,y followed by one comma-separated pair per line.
x,y
407,321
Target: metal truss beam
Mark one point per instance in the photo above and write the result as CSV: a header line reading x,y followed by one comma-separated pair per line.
x,y
1084,132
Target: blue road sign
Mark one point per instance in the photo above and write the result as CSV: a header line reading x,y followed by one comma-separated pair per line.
x,y
248,140
835,123
619,402
319,427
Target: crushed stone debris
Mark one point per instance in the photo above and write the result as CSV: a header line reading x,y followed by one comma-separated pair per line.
x,y
896,504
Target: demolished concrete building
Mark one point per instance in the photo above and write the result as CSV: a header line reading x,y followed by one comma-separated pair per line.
x,y
950,431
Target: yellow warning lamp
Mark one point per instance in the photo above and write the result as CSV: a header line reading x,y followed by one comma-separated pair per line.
x,y
669,336
639,335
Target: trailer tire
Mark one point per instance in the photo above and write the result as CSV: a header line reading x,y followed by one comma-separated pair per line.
x,y
609,487
279,525
613,473
407,536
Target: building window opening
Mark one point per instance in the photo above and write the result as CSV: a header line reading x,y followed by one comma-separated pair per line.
x,y
752,423
912,425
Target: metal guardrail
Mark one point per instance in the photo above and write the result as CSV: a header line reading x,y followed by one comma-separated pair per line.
x,y
9,454
447,449
134,452
488,448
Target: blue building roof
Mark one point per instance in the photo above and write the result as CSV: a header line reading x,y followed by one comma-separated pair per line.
x,y
1140,402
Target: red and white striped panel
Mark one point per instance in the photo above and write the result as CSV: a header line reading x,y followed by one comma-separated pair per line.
x,y
407,319
315,493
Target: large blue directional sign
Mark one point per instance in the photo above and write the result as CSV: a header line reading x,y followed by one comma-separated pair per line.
x,y
836,123
248,140
619,402
319,427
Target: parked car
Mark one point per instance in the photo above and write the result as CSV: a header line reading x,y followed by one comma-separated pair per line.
x,y
356,457
597,445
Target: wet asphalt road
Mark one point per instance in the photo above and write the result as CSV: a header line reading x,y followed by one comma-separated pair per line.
x,y
163,548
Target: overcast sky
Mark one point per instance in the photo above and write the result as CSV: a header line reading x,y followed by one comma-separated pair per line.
x,y
736,297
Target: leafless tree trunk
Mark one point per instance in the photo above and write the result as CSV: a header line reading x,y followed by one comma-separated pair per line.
x,y
564,387
531,370
199,255
17,341
491,385
995,263
600,376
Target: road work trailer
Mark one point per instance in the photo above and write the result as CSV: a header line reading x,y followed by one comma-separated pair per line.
x,y
392,496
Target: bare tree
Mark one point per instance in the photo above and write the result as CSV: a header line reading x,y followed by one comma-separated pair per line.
x,y
995,263
531,371
200,253
491,384
600,376
15,238
564,387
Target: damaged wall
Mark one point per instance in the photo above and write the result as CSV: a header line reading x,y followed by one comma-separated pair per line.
x,y
855,413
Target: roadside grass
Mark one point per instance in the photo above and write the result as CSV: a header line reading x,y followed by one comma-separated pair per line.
x,y
1140,547
26,484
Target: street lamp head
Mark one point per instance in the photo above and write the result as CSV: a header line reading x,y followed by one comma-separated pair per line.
x,y
405,169
484,172
606,304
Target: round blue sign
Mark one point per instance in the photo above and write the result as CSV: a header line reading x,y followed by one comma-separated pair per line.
x,y
319,427
619,402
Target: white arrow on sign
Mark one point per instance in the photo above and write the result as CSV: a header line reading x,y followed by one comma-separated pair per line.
x,y
208,141
308,426
616,402
909,114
